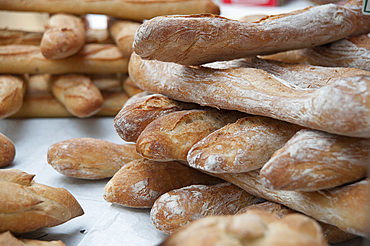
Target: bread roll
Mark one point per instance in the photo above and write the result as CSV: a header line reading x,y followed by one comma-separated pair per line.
x,y
89,158
92,58
124,9
12,90
177,208
27,206
345,207
300,94
130,87
123,33
7,150
139,183
135,116
200,39
251,228
241,146
314,160
7,238
171,136
332,234
64,36
78,94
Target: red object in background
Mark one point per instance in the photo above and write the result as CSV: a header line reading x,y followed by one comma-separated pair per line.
x,y
255,2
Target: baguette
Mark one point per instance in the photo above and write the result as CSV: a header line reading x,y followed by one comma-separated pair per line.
x,y
130,87
241,146
177,208
345,207
200,39
134,117
171,136
64,36
27,205
314,160
332,234
123,33
348,52
92,58
78,94
8,239
89,158
300,94
12,90
254,227
124,9
141,182
7,151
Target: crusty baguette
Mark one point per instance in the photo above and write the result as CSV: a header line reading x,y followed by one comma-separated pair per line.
x,y
81,97
7,150
171,136
332,234
27,205
8,239
64,36
90,158
125,9
177,208
141,182
241,146
200,39
12,90
348,52
301,94
123,33
314,160
92,58
130,87
252,228
134,116
345,207
98,36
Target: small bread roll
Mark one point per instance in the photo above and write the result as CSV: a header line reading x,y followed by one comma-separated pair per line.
x,y
7,151
12,90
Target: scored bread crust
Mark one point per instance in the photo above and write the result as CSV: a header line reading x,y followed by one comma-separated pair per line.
x,y
12,90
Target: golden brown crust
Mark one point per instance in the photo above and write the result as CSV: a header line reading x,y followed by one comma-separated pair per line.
x,y
64,36
7,150
241,146
89,158
171,136
7,238
251,228
200,39
12,90
92,58
177,208
130,87
142,181
124,9
314,160
301,94
8,37
29,206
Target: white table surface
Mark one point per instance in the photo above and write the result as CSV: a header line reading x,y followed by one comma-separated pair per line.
x,y
102,223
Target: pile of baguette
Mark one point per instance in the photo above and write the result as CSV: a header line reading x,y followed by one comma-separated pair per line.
x,y
240,132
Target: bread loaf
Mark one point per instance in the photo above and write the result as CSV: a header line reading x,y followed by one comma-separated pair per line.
x,y
7,238
301,94
124,9
171,136
200,39
130,87
140,182
345,207
64,36
177,208
90,158
135,116
314,160
12,90
332,234
26,205
81,97
92,58
7,150
241,146
251,228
